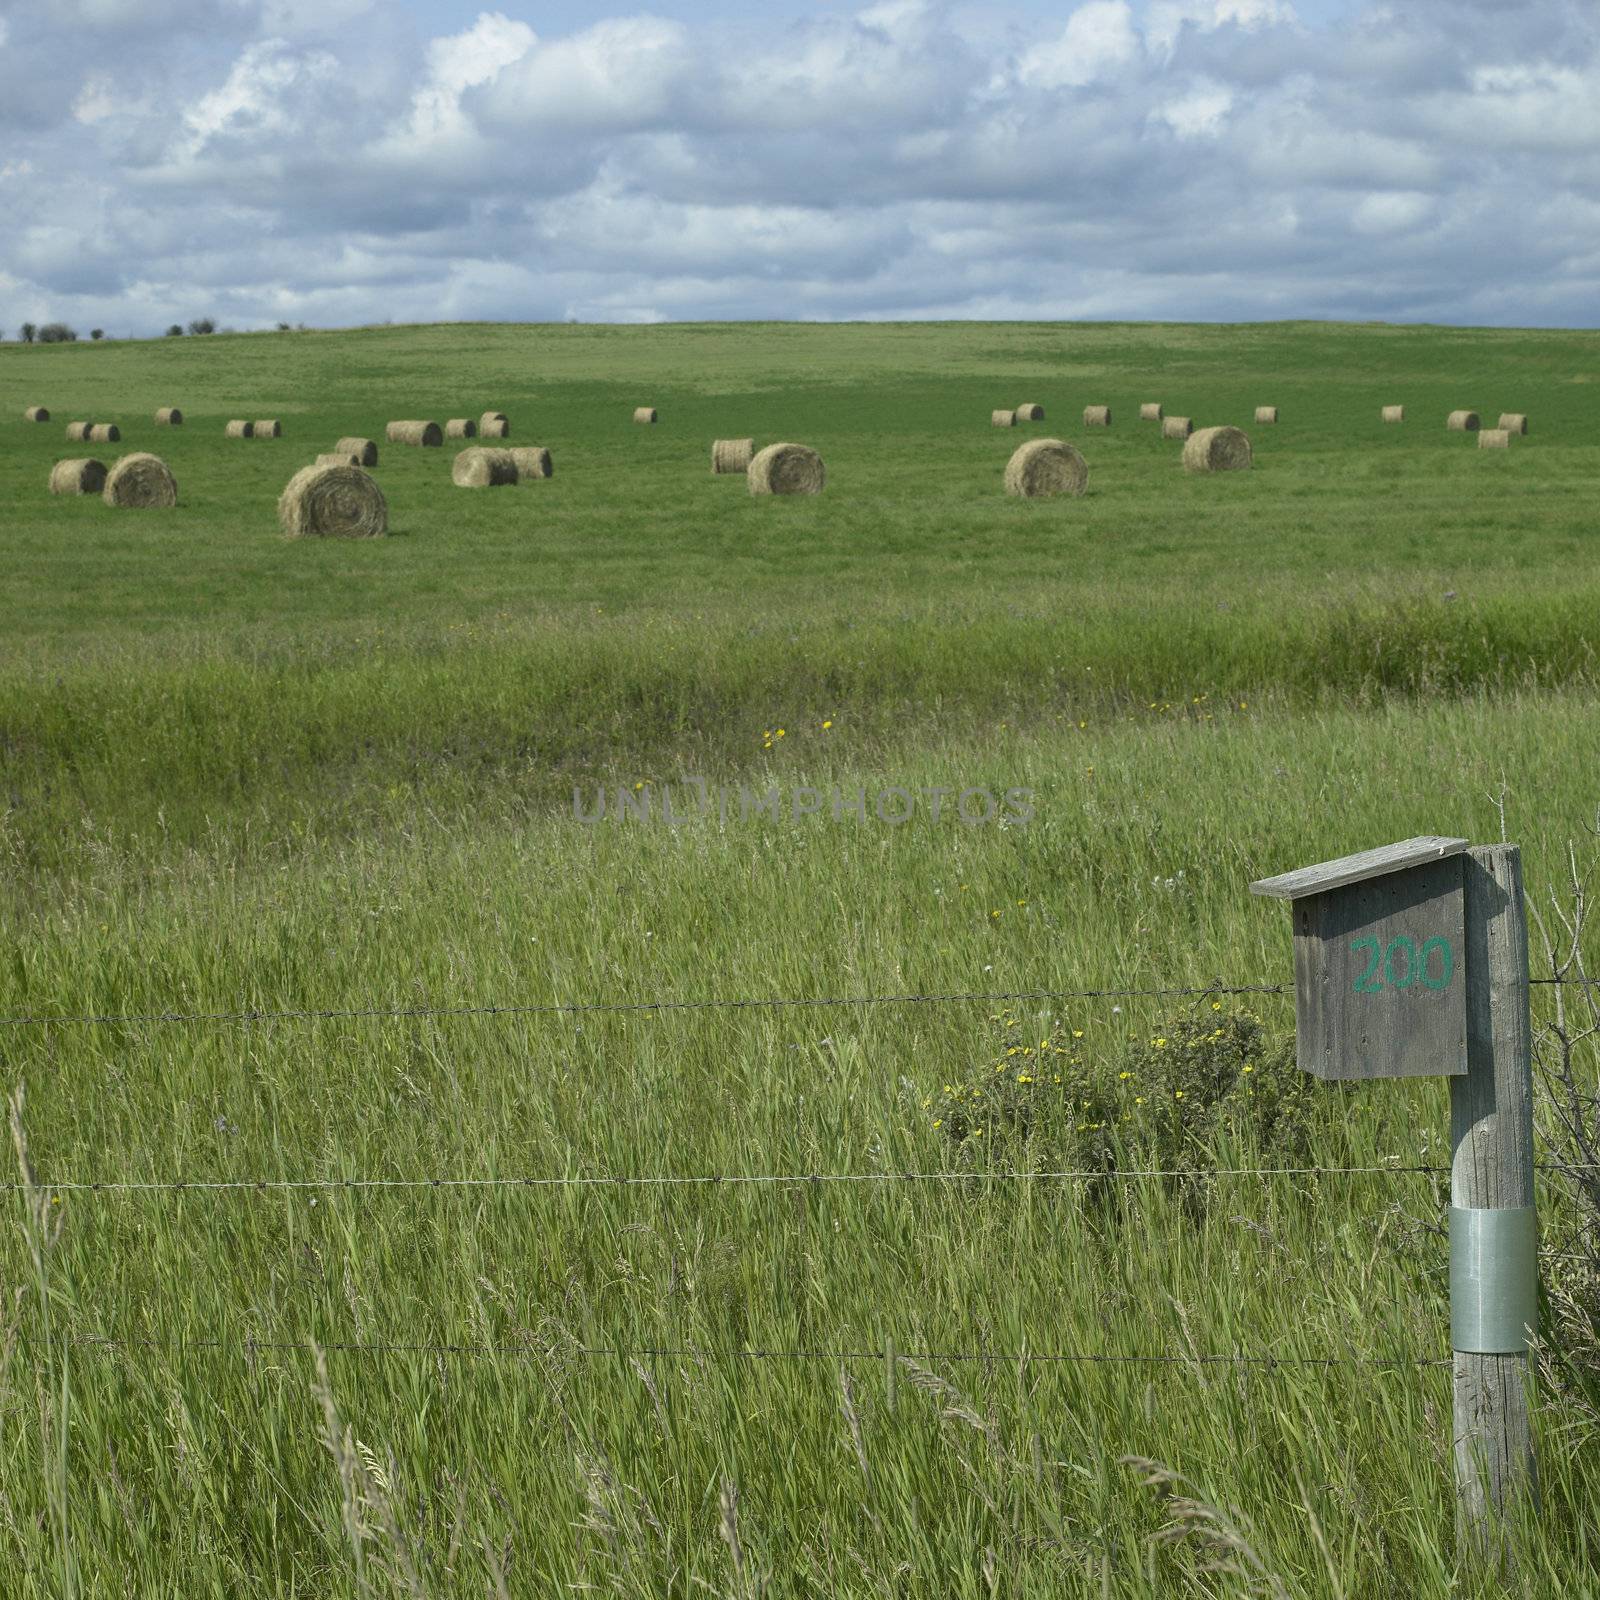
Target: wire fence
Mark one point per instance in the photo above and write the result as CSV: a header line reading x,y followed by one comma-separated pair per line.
x,y
609,1180
591,1008
796,1180
382,1013
247,1347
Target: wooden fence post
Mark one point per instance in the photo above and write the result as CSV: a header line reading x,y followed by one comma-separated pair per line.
x,y
1493,1227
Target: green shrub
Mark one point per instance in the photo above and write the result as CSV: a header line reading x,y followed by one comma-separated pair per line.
x,y
1212,1080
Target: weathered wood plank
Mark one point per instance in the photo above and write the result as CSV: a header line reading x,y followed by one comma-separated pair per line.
x,y
1380,975
1491,1165
1352,869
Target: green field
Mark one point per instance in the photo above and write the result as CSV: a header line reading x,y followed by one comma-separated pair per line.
x,y
239,773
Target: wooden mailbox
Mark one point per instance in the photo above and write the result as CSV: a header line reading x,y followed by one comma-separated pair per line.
x,y
1380,961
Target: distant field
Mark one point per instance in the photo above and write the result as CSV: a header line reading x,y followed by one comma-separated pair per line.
x,y
238,773
635,609
913,512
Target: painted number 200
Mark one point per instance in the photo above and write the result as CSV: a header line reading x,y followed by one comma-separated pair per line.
x,y
1400,963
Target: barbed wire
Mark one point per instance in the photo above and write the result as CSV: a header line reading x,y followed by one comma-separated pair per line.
x,y
600,1007
248,1346
620,1181
588,1008
734,1179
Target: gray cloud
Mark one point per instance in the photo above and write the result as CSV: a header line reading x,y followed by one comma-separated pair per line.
x,y
319,160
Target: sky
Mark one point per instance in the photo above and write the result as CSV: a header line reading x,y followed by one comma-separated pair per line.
x,y
339,162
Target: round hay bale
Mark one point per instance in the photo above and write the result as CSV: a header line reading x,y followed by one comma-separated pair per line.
x,y
79,430
1494,438
1045,467
169,417
104,433
271,429
85,476
1031,412
1176,427
140,481
337,458
238,430
494,425
533,461
332,502
1266,413
492,416
731,455
644,413
1513,422
1150,411
36,414
461,428
1217,450
479,468
786,469
415,433
1097,416
1394,413
1003,419
1462,422
366,449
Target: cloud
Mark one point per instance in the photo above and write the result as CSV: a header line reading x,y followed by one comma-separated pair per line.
x,y
326,161
1098,36
1198,113
1391,211
464,61
1168,19
619,75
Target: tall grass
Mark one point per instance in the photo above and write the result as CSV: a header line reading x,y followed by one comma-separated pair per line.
x,y
558,1449
242,775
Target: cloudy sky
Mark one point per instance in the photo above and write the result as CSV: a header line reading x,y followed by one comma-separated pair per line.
x,y
350,161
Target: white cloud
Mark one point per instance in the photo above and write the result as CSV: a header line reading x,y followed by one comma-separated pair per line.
x,y
1098,35
1530,107
98,100
1392,211
258,96
292,18
909,159
1168,18
1200,113
895,68
464,61
628,72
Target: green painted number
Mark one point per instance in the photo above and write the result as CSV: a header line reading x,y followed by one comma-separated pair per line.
x,y
1447,963
1408,948
1383,969
1368,982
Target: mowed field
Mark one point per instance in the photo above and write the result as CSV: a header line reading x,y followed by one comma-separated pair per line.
x,y
241,774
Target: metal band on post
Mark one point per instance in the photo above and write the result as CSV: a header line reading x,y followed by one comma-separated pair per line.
x,y
1494,1279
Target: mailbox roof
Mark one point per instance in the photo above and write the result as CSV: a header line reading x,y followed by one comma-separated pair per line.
x,y
1354,869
